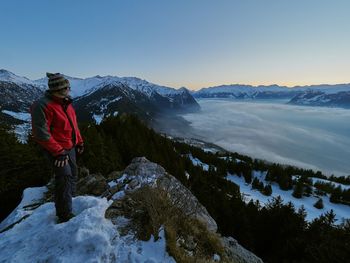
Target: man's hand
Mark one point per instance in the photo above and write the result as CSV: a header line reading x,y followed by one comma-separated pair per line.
x,y
80,148
61,160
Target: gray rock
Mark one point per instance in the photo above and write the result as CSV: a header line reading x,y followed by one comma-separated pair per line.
x,y
114,175
142,172
237,253
93,184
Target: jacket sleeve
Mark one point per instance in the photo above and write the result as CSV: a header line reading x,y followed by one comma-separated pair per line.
x,y
41,121
79,138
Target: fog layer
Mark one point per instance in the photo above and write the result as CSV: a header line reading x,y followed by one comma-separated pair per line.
x,y
309,137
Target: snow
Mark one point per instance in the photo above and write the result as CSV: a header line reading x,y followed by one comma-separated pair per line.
x,y
341,211
10,77
118,195
238,89
23,116
252,91
87,237
216,258
98,118
21,130
84,86
198,162
30,196
112,183
335,184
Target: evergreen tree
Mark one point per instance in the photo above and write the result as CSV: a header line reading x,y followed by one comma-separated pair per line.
x,y
255,183
335,196
267,190
319,204
298,189
247,174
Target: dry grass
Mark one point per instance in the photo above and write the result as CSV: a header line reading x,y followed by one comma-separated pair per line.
x,y
188,240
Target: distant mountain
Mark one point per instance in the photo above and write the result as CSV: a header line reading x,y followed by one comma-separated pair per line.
x,y
315,95
96,97
245,92
115,98
16,95
319,98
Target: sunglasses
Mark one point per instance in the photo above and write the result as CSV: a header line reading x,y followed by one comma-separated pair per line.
x,y
63,88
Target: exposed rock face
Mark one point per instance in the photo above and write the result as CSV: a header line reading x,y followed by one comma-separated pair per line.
x,y
92,184
142,172
238,253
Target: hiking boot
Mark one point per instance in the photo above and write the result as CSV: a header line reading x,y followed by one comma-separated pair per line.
x,y
66,218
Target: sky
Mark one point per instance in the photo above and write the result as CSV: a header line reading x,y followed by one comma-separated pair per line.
x,y
190,43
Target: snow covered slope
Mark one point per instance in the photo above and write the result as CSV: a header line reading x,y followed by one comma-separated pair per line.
x,y
88,237
323,98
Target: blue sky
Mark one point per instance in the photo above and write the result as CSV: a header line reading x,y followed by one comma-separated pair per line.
x,y
195,44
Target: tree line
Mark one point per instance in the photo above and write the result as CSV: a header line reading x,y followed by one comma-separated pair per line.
x,y
276,232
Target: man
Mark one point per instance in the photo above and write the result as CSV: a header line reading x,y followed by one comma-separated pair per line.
x,y
55,129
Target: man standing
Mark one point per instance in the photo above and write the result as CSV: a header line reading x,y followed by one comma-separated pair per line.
x,y
55,128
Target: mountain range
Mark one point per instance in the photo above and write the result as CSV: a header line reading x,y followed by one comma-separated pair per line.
x,y
101,96
314,95
96,97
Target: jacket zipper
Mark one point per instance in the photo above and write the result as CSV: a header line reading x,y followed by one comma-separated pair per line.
x,y
71,124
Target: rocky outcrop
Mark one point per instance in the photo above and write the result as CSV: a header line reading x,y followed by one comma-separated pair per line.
x,y
140,173
92,184
238,253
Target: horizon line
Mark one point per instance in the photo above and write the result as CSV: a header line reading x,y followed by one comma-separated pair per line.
x,y
196,89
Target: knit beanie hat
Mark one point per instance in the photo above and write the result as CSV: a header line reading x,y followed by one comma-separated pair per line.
x,y
57,81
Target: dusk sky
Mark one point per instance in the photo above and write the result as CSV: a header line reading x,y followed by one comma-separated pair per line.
x,y
195,44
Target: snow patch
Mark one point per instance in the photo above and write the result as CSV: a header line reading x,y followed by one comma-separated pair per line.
x,y
87,237
341,211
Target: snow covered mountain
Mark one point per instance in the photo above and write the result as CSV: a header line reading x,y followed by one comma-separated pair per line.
x,y
113,97
245,92
315,95
320,98
96,97
16,96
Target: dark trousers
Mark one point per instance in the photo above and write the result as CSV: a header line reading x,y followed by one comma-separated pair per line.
x,y
65,184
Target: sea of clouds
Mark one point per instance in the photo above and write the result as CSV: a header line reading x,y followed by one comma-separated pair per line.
x,y
309,137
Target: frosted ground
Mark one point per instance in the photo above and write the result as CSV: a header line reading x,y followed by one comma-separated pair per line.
x,y
309,137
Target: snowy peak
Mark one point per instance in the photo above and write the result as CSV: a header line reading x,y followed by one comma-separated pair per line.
x,y
8,76
319,98
314,95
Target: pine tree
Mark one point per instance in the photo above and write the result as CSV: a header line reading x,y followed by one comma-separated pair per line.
x,y
319,204
255,183
335,196
267,190
298,189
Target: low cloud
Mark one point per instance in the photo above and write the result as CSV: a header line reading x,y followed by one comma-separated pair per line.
x,y
309,137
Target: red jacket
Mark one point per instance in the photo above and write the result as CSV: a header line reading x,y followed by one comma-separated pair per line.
x,y
54,124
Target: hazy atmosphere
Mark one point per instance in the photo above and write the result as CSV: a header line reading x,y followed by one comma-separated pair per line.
x,y
311,137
